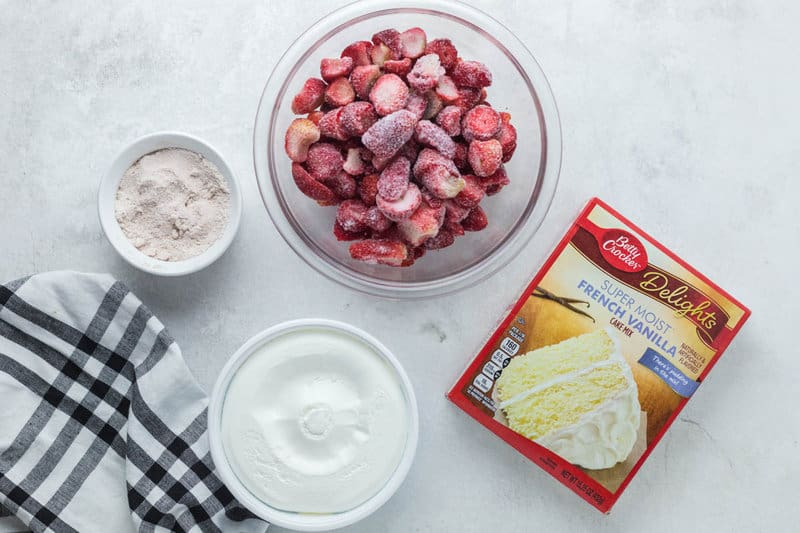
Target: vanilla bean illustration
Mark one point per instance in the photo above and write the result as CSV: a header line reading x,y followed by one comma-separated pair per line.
x,y
566,302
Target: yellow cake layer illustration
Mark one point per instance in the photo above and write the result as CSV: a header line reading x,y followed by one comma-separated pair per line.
x,y
577,398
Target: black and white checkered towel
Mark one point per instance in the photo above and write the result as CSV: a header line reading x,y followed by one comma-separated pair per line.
x,y
102,427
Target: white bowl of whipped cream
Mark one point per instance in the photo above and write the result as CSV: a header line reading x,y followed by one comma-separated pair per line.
x,y
313,424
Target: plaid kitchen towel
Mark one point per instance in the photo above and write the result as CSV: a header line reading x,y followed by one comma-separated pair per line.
x,y
102,427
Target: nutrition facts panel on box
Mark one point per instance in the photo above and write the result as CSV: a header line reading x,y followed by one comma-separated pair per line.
x,y
480,390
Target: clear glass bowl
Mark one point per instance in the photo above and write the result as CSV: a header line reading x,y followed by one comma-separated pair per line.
x,y
519,87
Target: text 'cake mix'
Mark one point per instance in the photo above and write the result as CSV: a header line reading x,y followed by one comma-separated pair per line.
x,y
598,356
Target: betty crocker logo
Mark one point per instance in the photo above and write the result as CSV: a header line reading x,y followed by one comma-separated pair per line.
x,y
622,250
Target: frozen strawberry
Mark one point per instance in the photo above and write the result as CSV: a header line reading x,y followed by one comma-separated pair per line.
x,y
357,117
339,93
443,239
445,50
343,184
394,179
330,125
410,150
402,208
508,140
392,233
438,174
423,224
401,67
471,74
426,73
353,164
481,123
460,159
329,203
310,186
446,90
433,105
310,97
468,98
379,163
472,193
449,119
351,215
454,212
389,94
411,259
363,78
368,189
359,52
442,182
379,252
413,42
376,221
476,220
380,54
324,161
342,234
332,68
432,201
417,104
428,133
492,184
453,227
429,158
391,38
315,116
390,133
485,157
301,134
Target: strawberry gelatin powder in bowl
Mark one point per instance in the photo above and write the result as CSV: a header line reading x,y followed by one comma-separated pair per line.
x,y
519,87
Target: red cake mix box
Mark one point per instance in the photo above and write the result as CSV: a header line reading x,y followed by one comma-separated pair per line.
x,y
599,355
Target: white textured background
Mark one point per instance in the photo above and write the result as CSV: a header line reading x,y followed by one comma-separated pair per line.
x,y
682,115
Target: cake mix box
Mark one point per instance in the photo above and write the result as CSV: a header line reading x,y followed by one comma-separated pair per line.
x,y
599,355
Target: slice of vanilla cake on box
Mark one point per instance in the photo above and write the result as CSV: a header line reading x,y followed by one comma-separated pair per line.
x,y
577,398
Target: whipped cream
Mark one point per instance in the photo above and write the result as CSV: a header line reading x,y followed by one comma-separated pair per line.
x,y
314,421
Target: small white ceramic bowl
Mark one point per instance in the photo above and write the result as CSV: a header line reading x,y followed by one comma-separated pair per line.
x,y
108,190
307,521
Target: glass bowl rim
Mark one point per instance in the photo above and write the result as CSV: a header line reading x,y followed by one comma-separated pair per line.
x,y
512,244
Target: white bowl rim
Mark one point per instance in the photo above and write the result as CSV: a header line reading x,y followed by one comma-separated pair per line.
x,y
109,184
299,521
476,273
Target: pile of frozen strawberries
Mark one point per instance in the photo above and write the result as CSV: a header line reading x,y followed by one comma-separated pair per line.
x,y
399,135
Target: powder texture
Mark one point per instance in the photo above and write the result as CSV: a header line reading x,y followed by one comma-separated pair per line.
x,y
172,204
